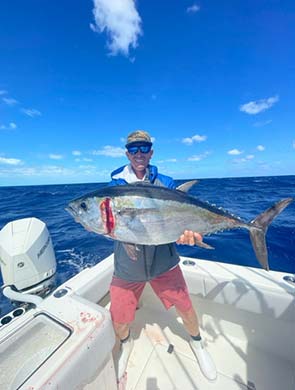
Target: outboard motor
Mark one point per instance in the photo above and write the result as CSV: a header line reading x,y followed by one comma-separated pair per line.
x,y
27,259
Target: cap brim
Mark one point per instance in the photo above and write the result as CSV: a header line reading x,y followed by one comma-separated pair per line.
x,y
138,143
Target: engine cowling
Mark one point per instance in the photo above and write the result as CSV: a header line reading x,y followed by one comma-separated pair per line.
x,y
27,256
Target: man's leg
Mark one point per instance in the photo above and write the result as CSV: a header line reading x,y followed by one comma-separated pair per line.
x,y
124,299
191,324
190,321
126,346
122,330
172,290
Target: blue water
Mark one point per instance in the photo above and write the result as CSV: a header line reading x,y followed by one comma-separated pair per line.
x,y
76,248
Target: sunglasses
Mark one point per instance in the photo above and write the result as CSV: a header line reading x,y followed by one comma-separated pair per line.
x,y
143,149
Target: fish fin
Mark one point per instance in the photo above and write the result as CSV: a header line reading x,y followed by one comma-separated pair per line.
x,y
131,250
202,244
259,228
185,187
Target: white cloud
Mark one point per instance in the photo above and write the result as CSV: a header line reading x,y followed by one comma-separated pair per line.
x,y
110,151
199,157
194,8
235,152
261,148
255,107
53,172
10,101
263,123
32,112
172,160
83,159
194,138
87,167
10,126
53,156
10,161
244,159
120,20
49,170
3,92
76,153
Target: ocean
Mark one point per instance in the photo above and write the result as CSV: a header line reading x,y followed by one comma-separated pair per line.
x,y
76,248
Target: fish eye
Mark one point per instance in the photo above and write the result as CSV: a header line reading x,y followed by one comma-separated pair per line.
x,y
83,206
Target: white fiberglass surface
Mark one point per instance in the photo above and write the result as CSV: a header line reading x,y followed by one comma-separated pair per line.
x,y
23,351
162,358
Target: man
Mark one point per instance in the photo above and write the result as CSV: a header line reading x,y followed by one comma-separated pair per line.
x,y
156,264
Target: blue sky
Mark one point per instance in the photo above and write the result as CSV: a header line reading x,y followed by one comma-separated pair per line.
x,y
212,81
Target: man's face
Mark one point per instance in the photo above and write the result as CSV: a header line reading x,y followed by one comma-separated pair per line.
x,y
139,160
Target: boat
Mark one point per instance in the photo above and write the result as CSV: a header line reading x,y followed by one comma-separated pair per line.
x,y
65,339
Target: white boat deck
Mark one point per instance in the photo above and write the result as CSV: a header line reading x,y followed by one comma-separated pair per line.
x,y
241,366
246,315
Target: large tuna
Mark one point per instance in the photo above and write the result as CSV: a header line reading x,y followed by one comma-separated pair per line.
x,y
145,214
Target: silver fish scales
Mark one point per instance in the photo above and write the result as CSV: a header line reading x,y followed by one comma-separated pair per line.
x,y
145,214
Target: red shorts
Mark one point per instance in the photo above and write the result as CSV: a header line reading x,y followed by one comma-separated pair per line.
x,y
170,287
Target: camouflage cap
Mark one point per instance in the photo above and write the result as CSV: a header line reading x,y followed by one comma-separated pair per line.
x,y
138,136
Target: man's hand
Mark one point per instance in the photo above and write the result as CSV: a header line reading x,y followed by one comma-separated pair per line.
x,y
190,238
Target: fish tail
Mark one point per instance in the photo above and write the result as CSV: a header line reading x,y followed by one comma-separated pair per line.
x,y
258,229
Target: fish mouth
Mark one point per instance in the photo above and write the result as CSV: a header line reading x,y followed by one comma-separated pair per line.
x,y
71,210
